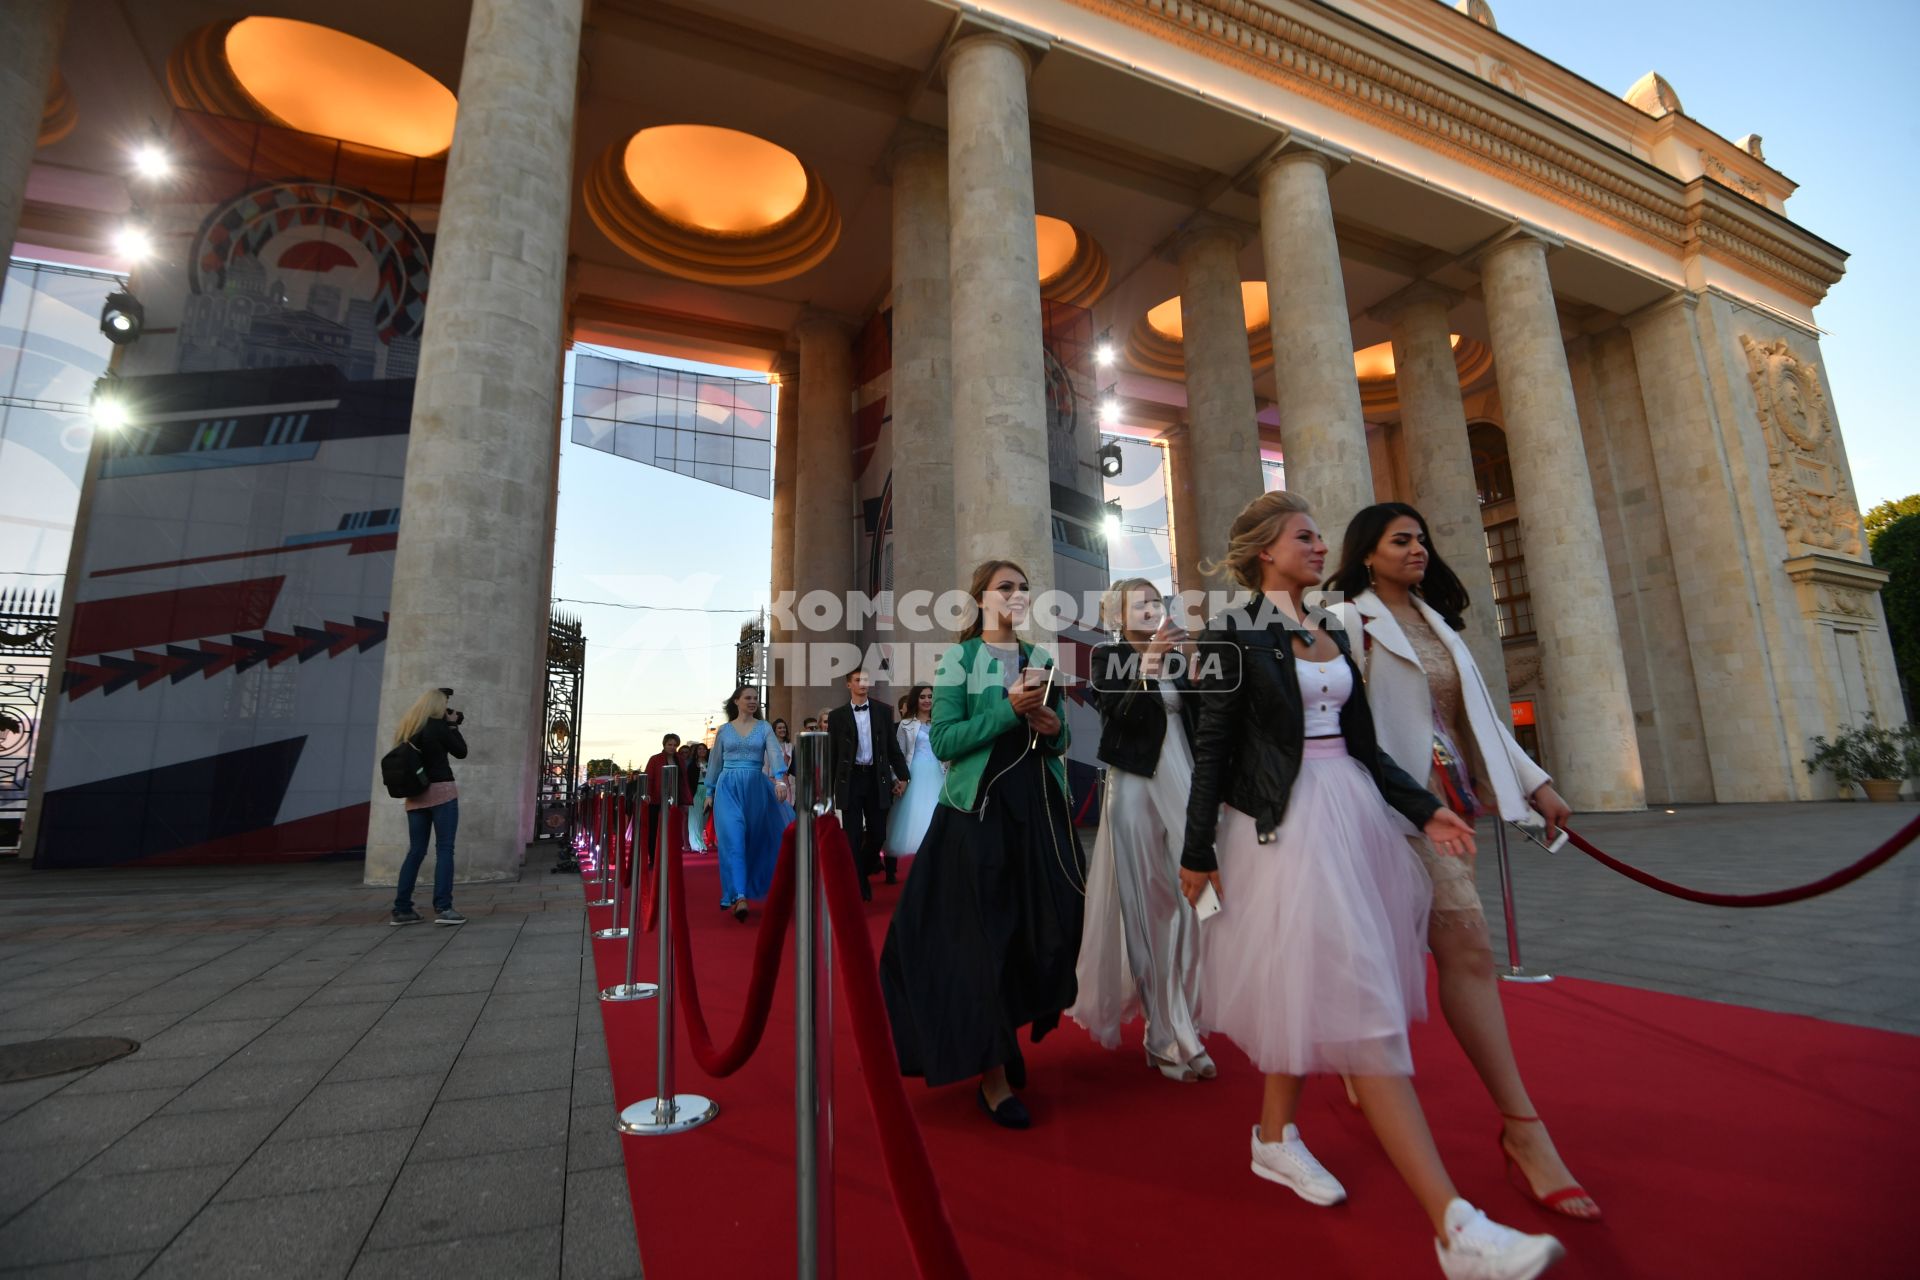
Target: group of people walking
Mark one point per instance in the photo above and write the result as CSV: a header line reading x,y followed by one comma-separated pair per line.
x,y
1287,832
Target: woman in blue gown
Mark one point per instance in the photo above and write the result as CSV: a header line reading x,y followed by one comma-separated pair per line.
x,y
745,782
914,810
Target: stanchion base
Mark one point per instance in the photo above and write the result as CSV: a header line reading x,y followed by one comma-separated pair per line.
x,y
600,902
618,931
689,1111
1521,975
629,991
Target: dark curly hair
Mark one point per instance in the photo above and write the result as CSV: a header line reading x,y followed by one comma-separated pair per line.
x,y
1441,587
733,702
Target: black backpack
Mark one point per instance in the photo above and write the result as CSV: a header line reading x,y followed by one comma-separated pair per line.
x,y
404,771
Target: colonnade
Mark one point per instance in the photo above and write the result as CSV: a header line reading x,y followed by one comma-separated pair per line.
x,y
967,397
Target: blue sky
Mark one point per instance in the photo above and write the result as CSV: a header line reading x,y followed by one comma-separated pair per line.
x,y
1830,89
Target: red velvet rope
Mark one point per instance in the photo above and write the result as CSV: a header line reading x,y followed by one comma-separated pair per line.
x,y
916,1195
768,947
1845,876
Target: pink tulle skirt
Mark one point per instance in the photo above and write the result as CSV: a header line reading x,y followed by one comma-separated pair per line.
x,y
1317,960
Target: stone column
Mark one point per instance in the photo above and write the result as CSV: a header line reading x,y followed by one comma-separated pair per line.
x,y
31,29
1589,710
1223,437
921,395
468,575
1002,505
786,459
826,505
1433,429
1189,548
1321,430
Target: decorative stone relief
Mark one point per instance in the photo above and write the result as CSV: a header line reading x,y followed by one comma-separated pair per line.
x,y
1841,600
1811,497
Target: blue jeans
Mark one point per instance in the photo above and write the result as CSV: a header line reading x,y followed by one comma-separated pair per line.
x,y
442,820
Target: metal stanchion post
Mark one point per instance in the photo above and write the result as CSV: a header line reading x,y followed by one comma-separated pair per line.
x,y
813,1018
1515,972
632,989
616,845
666,1111
600,844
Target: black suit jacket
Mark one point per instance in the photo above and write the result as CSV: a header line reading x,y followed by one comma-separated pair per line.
x,y
843,744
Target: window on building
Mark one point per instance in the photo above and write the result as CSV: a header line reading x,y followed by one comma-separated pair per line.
x,y
1512,601
1492,475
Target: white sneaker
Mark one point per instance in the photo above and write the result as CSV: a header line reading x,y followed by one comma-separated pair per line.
x,y
1289,1163
1479,1248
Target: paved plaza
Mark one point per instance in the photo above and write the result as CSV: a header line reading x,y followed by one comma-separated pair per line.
x,y
317,1094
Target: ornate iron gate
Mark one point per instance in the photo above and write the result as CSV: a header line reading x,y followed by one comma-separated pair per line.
x,y
560,745
27,620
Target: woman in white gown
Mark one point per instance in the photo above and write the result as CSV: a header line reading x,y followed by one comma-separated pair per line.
x,y
1140,951
926,773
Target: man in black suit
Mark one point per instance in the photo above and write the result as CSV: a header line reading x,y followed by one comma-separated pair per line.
x,y
868,771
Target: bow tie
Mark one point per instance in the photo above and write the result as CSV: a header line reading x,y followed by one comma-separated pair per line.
x,y
860,710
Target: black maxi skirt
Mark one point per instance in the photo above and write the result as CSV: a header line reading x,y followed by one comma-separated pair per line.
x,y
987,930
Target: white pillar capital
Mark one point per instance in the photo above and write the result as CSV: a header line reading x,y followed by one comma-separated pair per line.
x,y
1421,293
1519,236
1679,298
976,36
814,324
1205,229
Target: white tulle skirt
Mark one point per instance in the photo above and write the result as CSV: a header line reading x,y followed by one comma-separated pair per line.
x,y
1317,961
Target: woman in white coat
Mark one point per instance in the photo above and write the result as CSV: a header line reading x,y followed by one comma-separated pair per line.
x,y
1435,718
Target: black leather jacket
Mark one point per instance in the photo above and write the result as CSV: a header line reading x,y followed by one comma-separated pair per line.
x,y
1133,717
1246,752
437,740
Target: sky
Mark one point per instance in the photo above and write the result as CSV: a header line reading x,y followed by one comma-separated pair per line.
x,y
1829,88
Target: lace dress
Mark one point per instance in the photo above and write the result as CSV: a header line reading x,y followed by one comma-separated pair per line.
x,y
1456,899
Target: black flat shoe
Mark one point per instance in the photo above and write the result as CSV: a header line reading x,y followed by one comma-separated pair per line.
x,y
740,910
1010,1114
866,889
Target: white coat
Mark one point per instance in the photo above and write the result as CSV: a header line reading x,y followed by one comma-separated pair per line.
x,y
1403,706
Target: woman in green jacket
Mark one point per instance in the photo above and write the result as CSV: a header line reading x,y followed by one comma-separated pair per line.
x,y
985,936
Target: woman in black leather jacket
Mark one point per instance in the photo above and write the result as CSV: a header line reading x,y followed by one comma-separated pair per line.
x,y
1140,947
1316,961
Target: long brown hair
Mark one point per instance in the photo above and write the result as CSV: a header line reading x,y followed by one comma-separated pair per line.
x,y
1252,532
982,579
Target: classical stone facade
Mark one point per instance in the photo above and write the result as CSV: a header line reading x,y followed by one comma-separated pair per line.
x,y
1379,243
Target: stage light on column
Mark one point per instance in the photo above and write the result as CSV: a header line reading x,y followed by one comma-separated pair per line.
x,y
132,243
1110,524
122,318
1103,354
108,410
151,161
1110,460
1110,411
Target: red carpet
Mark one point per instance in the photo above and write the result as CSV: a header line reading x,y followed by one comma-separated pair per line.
x,y
1721,1141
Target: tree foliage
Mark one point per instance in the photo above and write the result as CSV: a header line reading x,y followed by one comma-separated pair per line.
x,y
1882,514
601,768
1896,548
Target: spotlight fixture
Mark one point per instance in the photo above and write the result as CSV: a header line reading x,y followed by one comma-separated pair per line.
x,y
1110,459
122,318
1111,524
133,243
108,410
150,160
1110,411
1103,354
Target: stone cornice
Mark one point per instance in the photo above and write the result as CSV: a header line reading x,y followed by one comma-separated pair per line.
x,y
1568,169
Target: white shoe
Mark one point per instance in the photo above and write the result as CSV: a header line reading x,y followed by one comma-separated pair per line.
x,y
1289,1163
1479,1248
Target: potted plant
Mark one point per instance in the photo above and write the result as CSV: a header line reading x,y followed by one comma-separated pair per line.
x,y
1880,760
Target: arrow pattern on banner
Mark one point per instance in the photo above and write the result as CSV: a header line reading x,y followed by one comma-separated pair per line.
x,y
144,668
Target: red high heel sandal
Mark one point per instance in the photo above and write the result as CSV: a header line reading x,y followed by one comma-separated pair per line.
x,y
1553,1201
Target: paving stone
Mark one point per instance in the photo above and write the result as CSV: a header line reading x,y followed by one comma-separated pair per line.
x,y
121,1266
362,1106
592,1140
223,1138
453,1199
345,991
457,980
236,1085
314,1234
191,1037
137,1072
521,1034
21,1094
96,1118
92,1217
368,1062
27,1175
479,1076
474,1126
599,1240
297,1165
528,1253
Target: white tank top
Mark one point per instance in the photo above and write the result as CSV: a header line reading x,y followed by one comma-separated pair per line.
x,y
1324,689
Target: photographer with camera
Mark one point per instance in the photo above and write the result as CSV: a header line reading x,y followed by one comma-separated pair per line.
x,y
432,728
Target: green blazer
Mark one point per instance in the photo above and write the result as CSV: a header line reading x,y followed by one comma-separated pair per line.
x,y
970,710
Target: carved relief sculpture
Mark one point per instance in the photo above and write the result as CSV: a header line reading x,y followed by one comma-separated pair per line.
x,y
1811,495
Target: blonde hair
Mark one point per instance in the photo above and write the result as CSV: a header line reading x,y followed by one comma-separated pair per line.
x,y
431,705
1113,605
1253,531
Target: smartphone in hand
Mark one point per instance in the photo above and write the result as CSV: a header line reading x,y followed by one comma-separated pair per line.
x,y
1209,904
